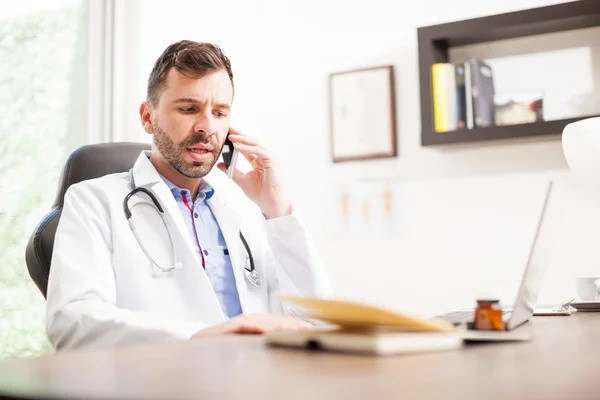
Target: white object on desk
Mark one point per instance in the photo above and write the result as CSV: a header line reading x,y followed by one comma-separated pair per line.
x,y
587,306
551,311
563,309
516,335
581,146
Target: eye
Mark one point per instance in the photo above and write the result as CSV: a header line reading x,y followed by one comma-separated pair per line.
x,y
220,114
187,110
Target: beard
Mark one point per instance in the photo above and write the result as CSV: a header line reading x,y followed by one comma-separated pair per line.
x,y
174,153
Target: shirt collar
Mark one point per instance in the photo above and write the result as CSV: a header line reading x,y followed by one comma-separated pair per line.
x,y
205,191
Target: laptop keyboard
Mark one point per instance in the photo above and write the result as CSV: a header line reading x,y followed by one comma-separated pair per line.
x,y
465,316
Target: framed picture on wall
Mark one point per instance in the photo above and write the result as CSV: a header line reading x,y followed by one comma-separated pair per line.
x,y
363,114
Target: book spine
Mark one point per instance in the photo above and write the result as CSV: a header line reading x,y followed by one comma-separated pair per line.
x,y
461,96
469,96
439,98
451,98
444,97
482,85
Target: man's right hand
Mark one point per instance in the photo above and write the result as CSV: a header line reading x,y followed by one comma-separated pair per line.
x,y
255,323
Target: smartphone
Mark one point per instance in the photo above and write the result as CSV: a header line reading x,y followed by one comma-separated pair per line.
x,y
230,156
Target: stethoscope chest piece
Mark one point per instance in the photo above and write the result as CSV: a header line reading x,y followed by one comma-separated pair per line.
x,y
252,276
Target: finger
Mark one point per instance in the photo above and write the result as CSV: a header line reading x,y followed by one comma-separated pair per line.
x,y
237,174
252,329
249,157
297,323
238,137
279,318
234,131
248,140
262,321
246,324
289,323
248,150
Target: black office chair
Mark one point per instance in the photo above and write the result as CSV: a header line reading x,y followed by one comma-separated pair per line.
x,y
86,162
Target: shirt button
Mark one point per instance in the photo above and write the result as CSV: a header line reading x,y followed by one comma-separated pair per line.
x,y
205,252
195,215
183,192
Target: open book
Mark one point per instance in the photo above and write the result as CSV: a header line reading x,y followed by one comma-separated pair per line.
x,y
362,328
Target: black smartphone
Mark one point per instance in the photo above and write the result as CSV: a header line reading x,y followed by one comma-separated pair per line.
x,y
230,155
227,151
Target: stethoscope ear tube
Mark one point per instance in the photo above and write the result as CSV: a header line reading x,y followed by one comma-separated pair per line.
x,y
127,211
148,193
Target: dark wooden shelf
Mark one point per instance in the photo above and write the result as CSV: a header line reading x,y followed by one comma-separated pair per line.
x,y
534,129
434,42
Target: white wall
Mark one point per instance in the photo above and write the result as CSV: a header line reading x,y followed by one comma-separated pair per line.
x,y
465,215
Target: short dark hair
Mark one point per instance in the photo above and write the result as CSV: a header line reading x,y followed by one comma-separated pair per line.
x,y
192,59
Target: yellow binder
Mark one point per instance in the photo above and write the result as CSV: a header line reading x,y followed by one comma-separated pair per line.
x,y
440,108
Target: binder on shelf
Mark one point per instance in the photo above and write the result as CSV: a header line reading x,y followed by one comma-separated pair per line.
x,y
444,97
461,96
479,82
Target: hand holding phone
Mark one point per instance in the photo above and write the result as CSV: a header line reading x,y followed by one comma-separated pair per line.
x,y
260,183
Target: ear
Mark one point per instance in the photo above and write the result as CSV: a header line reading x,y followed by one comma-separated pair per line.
x,y
146,117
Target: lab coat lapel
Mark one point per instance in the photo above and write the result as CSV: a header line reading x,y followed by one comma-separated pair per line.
x,y
172,210
146,176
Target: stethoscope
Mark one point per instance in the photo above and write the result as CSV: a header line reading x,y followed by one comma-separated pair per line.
x,y
250,273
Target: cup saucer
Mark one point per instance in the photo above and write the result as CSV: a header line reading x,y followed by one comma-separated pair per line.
x,y
593,305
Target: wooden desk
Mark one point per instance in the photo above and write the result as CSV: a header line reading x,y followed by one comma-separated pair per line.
x,y
562,362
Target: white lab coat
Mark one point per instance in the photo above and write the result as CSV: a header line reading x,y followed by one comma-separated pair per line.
x,y
103,290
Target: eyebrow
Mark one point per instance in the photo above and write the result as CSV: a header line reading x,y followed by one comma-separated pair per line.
x,y
196,101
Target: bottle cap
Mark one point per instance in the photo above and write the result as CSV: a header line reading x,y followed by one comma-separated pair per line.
x,y
487,301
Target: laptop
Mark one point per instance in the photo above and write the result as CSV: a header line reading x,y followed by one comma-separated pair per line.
x,y
531,284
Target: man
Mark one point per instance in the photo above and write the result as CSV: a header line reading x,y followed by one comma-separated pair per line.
x,y
112,283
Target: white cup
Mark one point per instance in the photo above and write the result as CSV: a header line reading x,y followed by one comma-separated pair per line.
x,y
581,147
588,289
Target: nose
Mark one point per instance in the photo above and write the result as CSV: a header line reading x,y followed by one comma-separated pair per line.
x,y
205,125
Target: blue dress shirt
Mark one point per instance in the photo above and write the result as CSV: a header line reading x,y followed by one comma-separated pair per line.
x,y
210,244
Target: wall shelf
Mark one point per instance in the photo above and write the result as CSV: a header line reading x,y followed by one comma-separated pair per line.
x,y
545,128
435,41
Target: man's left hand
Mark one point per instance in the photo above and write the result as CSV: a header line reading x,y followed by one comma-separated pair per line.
x,y
261,184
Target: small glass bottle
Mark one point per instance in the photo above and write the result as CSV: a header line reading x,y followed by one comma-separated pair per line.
x,y
488,315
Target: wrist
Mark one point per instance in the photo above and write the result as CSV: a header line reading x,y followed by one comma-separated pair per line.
x,y
280,209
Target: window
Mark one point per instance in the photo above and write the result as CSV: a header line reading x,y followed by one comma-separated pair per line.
x,y
43,97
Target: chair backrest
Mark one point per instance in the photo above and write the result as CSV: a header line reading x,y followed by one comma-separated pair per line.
x,y
86,162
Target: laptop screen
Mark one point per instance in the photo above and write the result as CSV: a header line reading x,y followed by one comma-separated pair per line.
x,y
531,284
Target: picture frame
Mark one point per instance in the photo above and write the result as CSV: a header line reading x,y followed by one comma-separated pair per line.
x,y
363,114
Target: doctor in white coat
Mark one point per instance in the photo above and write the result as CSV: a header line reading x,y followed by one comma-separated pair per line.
x,y
223,249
